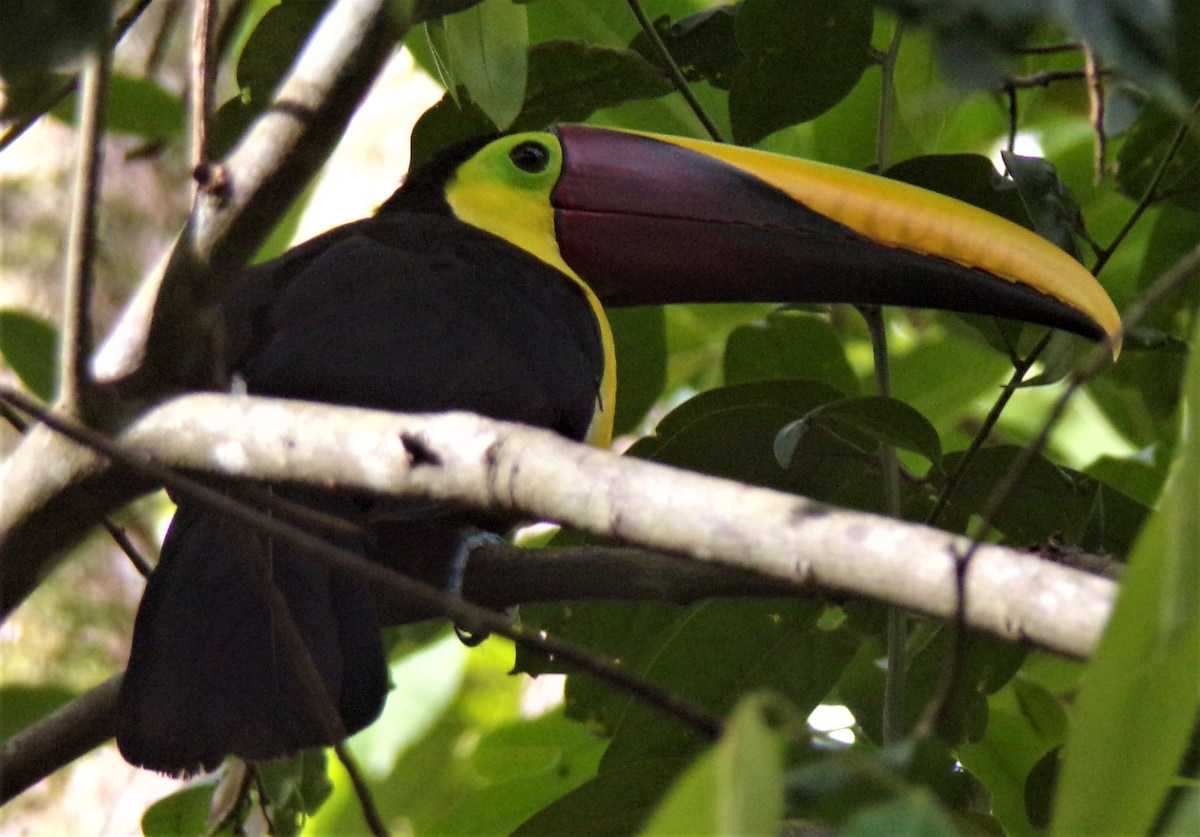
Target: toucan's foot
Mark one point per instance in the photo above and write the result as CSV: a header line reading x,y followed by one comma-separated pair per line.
x,y
470,540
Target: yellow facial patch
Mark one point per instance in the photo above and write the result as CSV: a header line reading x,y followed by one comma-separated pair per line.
x,y
505,190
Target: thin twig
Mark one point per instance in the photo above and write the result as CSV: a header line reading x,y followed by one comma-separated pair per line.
x,y
1013,119
894,685
162,38
1150,194
1045,78
887,97
1048,49
75,343
1021,367
677,78
122,540
129,548
471,617
1096,100
1097,360
200,98
366,801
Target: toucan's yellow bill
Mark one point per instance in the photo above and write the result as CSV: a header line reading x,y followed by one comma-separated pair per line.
x,y
647,219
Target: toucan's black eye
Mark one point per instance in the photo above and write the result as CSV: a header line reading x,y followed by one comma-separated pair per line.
x,y
530,156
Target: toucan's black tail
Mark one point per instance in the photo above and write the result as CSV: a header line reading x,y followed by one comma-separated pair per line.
x,y
210,674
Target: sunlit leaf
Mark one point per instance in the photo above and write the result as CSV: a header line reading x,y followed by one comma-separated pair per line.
x,y
734,788
29,346
528,765
615,802
1139,695
22,705
136,106
483,49
568,82
181,814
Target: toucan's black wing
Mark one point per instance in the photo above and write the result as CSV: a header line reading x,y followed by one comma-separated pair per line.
x,y
405,312
421,313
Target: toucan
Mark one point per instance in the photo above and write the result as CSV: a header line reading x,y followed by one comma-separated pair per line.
x,y
480,285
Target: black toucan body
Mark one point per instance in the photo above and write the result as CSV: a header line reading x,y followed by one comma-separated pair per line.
x,y
479,286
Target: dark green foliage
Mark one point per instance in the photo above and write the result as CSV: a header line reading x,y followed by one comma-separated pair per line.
x,y
785,398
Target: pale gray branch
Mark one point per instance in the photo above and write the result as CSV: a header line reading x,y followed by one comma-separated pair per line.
x,y
466,459
165,336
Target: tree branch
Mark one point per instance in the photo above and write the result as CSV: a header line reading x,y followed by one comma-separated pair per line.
x,y
165,338
537,474
58,739
75,340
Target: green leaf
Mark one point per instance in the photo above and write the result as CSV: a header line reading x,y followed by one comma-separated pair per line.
x,y
568,81
916,813
1147,143
615,802
484,49
884,421
970,178
1050,204
731,432
801,58
40,35
424,10
1051,503
788,344
1175,232
860,790
273,46
1131,35
1185,822
973,39
641,344
776,645
703,45
1140,395
29,345
1025,722
136,106
296,788
528,765
1138,697
988,665
183,813
943,376
432,677
734,788
22,705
